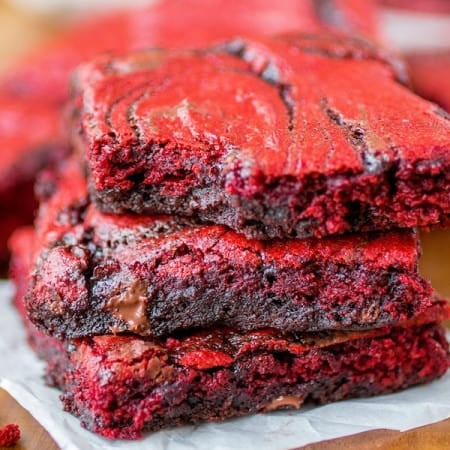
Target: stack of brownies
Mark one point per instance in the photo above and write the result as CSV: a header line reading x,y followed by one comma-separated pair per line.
x,y
183,267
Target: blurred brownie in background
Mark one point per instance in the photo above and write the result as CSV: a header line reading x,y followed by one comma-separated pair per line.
x,y
429,6
31,139
430,75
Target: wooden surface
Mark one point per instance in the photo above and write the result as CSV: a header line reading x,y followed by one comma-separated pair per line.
x,y
19,30
432,437
33,436
435,261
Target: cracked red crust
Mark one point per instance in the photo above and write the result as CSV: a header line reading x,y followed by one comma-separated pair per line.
x,y
286,137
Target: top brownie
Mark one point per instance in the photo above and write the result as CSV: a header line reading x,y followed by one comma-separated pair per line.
x,y
289,136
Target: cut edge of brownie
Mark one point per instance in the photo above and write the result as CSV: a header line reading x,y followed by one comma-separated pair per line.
x,y
47,348
293,300
257,218
121,387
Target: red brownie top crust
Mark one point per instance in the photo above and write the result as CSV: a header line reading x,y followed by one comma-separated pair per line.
x,y
278,137
319,104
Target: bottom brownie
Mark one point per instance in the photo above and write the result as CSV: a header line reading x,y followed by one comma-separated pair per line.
x,y
121,386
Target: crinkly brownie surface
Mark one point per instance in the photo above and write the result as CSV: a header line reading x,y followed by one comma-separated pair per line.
x,y
282,137
95,274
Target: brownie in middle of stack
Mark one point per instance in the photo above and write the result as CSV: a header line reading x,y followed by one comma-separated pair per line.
x,y
213,323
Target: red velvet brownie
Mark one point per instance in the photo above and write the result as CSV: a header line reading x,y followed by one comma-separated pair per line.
x,y
96,274
33,92
282,137
122,386
430,75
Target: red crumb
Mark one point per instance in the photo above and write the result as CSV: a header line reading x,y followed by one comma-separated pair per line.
x,y
9,435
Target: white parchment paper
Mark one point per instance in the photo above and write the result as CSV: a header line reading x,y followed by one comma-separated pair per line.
x,y
21,375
